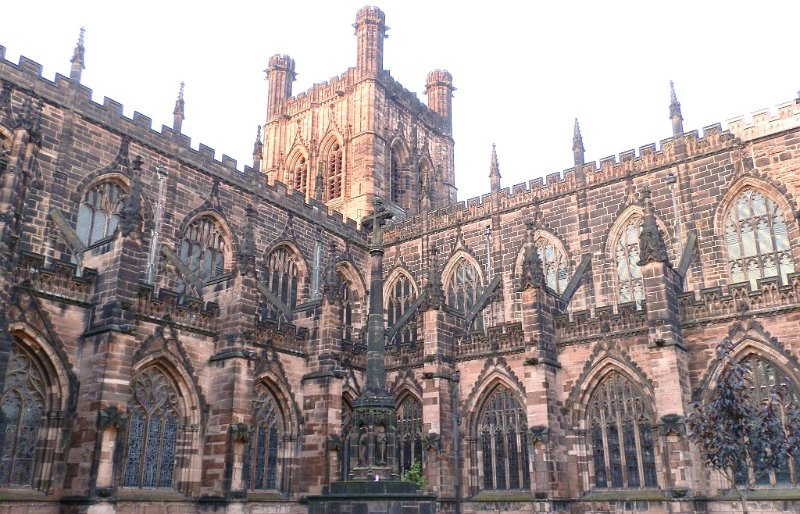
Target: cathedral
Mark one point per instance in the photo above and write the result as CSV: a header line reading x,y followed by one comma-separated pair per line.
x,y
179,336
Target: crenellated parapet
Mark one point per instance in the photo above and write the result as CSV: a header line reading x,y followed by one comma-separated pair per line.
x,y
166,307
498,340
283,338
622,320
59,281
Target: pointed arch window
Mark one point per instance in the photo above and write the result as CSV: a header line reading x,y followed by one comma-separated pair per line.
x,y
333,187
401,296
282,277
757,239
629,274
502,436
554,263
349,298
23,404
463,289
300,175
267,442
620,433
98,214
203,249
154,423
409,433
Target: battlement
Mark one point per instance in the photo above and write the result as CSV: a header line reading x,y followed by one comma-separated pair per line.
x,y
616,321
370,14
27,76
764,122
281,62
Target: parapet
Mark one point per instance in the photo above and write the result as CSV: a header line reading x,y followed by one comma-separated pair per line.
x,y
370,14
439,78
281,62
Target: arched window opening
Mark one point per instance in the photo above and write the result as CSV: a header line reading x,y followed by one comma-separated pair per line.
x,y
409,433
203,249
267,442
757,239
502,435
300,178
463,289
24,403
349,297
629,274
334,180
98,214
554,263
401,296
621,435
282,276
154,422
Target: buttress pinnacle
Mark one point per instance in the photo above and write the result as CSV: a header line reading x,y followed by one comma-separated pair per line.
x,y
494,171
78,58
675,111
178,112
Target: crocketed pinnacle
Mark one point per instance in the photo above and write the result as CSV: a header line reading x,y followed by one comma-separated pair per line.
x,y
577,138
675,111
178,112
78,58
494,171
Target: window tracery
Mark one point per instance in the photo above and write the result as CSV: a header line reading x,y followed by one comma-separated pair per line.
x,y
282,277
409,433
757,239
98,214
463,289
23,404
401,296
502,435
554,263
267,442
620,435
203,249
300,175
629,274
154,423
334,179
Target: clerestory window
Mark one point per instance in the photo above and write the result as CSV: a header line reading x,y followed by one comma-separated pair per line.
x,y
98,214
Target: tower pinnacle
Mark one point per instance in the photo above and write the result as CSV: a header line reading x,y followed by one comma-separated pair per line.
x,y
78,58
178,113
675,111
494,172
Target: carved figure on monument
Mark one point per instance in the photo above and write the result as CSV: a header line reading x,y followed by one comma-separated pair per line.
x,y
380,445
363,446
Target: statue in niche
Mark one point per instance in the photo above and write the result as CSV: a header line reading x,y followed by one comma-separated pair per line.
x,y
380,445
363,445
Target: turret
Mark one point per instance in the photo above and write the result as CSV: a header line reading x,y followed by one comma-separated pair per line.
x,y
675,111
178,114
77,59
494,171
280,74
371,30
439,88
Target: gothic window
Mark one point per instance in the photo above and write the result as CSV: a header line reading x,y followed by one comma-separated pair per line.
x,y
267,442
401,296
629,275
463,289
203,249
620,434
23,404
282,277
757,240
333,187
98,214
300,175
554,263
502,436
154,423
348,296
409,433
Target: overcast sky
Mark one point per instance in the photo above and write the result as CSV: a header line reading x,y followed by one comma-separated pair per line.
x,y
523,70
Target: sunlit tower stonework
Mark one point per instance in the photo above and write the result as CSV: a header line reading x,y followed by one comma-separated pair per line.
x,y
180,333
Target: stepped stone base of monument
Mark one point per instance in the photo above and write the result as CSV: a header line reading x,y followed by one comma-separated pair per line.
x,y
367,497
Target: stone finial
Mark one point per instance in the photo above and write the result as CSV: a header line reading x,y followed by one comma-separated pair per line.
x,y
494,171
331,283
532,271
651,243
130,216
178,113
247,255
675,111
78,58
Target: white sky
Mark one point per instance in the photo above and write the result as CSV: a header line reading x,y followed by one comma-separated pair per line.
x,y
523,70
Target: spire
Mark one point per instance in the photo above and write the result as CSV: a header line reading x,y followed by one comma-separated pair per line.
x,y
258,151
77,59
577,145
651,244
532,271
178,113
675,111
494,173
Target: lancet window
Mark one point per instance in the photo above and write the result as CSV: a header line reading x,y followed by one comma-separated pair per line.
x,y
621,437
267,442
282,278
23,404
409,433
98,214
333,187
629,274
300,178
153,430
203,248
503,441
463,289
348,297
401,296
757,239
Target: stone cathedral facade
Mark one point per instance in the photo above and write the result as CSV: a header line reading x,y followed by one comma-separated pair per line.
x,y
179,336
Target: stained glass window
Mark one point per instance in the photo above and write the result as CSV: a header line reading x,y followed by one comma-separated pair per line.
x,y
629,275
502,431
401,296
282,277
334,179
621,436
554,263
154,422
98,214
757,239
409,433
267,440
23,404
203,249
463,289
